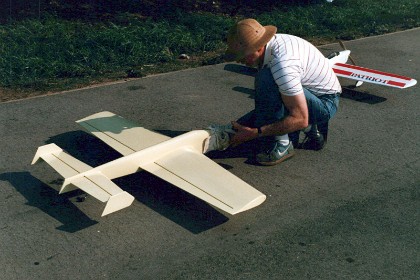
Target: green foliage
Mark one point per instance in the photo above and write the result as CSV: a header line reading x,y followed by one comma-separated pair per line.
x,y
37,52
40,52
345,19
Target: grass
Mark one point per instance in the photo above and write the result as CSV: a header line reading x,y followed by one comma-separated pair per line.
x,y
53,54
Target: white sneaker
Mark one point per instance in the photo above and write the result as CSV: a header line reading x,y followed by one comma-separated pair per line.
x,y
219,137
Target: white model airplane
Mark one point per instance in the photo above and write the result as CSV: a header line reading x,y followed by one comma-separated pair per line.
x,y
338,62
178,160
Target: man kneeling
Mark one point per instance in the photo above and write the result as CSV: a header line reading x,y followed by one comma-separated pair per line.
x,y
295,89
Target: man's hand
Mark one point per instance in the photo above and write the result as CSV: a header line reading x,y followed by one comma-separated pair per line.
x,y
297,119
243,134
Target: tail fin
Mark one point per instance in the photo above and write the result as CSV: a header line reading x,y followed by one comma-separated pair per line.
x,y
339,57
79,175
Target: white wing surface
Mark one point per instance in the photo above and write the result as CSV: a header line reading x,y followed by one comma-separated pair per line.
x,y
124,136
205,179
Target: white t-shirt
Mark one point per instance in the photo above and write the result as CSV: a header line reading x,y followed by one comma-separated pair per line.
x,y
296,63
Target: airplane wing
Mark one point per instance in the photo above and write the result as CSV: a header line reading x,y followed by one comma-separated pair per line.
x,y
372,76
124,136
200,176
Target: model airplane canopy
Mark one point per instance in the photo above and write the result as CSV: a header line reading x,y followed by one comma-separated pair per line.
x,y
179,160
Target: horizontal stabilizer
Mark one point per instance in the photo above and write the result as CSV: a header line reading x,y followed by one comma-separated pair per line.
x,y
79,175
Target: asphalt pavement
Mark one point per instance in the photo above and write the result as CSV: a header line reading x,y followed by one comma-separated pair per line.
x,y
349,211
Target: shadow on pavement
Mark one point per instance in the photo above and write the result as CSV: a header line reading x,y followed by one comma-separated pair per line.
x,y
245,150
249,91
241,69
47,200
360,96
171,202
84,147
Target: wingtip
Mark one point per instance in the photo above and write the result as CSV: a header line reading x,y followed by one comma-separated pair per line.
x,y
253,203
103,114
413,82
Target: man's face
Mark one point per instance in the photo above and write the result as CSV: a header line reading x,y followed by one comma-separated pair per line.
x,y
253,59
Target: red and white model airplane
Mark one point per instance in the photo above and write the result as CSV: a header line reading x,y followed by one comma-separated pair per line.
x,y
361,74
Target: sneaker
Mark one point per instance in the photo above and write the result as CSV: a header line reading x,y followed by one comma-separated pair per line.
x,y
219,138
277,154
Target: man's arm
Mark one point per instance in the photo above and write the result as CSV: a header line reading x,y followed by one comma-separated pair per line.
x,y
297,119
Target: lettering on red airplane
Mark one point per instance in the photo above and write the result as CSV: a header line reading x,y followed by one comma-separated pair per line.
x,y
369,78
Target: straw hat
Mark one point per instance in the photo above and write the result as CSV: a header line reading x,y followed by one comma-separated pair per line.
x,y
246,37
